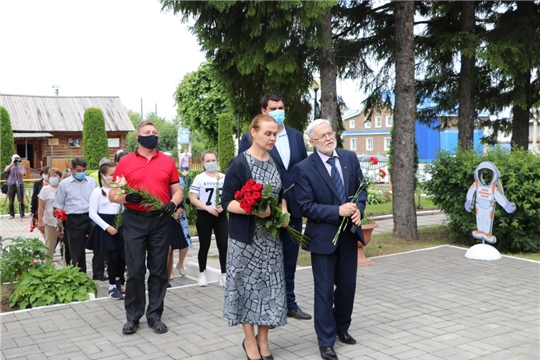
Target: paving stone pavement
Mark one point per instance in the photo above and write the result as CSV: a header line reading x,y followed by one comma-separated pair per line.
x,y
428,304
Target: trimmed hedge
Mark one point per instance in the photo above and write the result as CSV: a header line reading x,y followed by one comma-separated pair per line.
x,y
94,142
7,144
452,175
226,149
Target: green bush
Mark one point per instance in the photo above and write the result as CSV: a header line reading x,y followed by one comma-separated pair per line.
x,y
20,256
95,146
374,196
7,144
451,177
47,285
226,149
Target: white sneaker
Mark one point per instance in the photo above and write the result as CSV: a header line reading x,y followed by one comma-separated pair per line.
x,y
222,280
202,279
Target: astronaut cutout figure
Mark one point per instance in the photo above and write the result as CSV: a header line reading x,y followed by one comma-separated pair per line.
x,y
488,190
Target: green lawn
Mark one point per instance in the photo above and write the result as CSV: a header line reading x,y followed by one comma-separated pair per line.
x,y
386,208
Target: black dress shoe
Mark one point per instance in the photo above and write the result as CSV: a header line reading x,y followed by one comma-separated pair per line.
x,y
328,353
158,326
130,327
346,338
100,278
298,314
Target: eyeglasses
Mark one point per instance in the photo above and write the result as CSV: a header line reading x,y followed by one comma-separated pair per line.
x,y
329,135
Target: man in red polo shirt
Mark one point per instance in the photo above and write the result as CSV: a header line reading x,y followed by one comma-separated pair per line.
x,y
147,232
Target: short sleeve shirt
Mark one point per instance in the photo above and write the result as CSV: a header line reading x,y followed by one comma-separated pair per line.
x,y
207,187
47,194
155,175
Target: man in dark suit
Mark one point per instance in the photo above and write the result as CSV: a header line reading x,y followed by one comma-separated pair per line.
x,y
325,183
289,151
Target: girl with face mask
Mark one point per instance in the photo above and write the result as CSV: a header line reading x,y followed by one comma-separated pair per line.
x,y
106,236
205,194
46,221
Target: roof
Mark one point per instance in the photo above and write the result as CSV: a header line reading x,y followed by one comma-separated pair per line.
x,y
25,135
352,114
62,113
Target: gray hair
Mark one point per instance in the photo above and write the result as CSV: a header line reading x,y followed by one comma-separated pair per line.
x,y
314,124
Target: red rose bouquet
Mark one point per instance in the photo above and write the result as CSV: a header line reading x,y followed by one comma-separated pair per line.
x,y
249,195
62,216
253,197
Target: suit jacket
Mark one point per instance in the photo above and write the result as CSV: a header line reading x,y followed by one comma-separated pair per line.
x,y
319,201
298,153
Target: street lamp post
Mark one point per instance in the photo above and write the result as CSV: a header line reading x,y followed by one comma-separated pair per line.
x,y
316,85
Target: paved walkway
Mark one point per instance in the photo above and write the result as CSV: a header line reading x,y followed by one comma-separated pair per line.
x,y
430,304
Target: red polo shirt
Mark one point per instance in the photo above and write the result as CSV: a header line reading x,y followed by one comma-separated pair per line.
x,y
156,176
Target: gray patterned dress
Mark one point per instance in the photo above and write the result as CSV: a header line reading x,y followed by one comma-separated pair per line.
x,y
255,289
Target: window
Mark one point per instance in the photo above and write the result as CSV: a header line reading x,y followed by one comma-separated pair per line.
x,y
73,142
367,124
388,121
369,143
353,144
113,142
351,124
387,142
378,121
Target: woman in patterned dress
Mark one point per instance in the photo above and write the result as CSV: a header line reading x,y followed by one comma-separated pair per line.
x,y
255,287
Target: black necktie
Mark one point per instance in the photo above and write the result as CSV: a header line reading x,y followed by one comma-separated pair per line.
x,y
338,183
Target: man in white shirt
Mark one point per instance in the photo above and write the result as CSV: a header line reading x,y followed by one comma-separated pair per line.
x,y
73,196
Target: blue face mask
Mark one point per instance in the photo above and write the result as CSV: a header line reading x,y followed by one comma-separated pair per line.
x,y
80,176
211,166
278,115
54,181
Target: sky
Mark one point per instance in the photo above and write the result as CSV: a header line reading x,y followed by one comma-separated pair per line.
x,y
125,48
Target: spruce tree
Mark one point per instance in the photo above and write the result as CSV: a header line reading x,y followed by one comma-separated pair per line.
x,y
95,146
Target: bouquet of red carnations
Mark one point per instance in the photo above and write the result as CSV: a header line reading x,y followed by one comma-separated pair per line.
x,y
253,197
62,216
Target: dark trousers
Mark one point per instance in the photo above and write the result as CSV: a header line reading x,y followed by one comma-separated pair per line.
x,y
334,276
67,255
18,190
207,222
78,226
146,239
116,265
290,258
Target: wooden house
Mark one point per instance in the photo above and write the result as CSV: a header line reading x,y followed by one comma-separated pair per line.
x,y
50,127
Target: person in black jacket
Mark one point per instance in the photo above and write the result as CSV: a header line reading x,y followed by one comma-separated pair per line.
x,y
289,150
255,291
38,185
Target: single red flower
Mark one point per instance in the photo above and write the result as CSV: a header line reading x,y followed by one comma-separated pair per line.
x,y
382,173
257,196
373,160
238,195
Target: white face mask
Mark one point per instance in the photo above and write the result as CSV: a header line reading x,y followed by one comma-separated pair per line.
x,y
45,177
107,179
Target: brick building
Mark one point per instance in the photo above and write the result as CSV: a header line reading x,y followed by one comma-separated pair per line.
x,y
368,136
